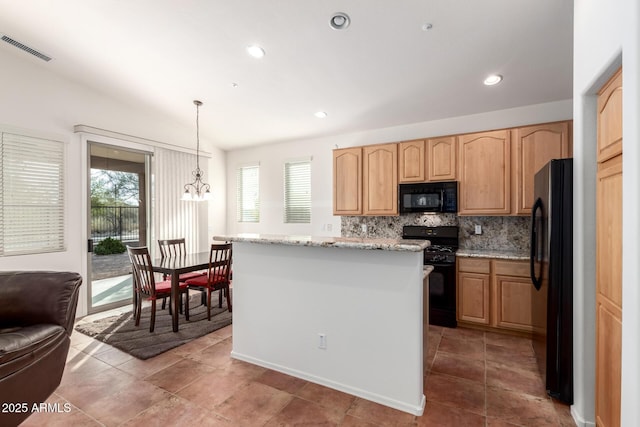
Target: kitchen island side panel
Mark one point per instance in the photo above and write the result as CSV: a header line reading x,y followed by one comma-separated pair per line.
x,y
366,303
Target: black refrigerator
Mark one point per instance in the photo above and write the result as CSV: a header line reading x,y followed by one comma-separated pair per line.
x,y
552,276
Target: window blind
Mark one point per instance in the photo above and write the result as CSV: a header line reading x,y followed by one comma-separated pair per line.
x,y
297,192
248,194
32,195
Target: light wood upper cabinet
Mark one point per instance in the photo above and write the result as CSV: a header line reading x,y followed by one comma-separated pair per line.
x,y
485,173
534,147
442,159
347,181
610,118
411,163
380,179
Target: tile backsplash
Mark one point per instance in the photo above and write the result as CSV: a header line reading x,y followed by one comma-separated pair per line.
x,y
508,233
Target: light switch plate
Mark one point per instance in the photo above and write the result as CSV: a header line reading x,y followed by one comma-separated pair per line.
x,y
478,229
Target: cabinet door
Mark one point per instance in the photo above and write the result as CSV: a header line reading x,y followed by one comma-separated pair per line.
x,y
380,179
609,292
485,173
473,298
347,181
442,159
411,161
610,118
512,303
534,147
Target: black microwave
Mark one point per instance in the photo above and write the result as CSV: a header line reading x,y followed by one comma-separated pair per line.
x,y
428,197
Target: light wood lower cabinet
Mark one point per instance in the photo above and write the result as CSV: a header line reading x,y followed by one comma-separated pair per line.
x,y
512,295
494,293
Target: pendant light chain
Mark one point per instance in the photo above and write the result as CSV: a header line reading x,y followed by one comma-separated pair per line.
x,y
197,190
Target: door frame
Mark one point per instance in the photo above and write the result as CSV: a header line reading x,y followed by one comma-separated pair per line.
x,y
146,214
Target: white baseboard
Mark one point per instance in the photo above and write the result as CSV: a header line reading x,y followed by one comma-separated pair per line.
x,y
374,397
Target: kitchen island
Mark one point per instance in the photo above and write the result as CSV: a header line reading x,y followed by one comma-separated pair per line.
x,y
346,313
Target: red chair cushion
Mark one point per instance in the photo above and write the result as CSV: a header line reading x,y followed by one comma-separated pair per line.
x,y
164,287
204,280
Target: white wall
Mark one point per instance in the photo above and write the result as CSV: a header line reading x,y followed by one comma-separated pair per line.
x,y
273,156
35,101
606,35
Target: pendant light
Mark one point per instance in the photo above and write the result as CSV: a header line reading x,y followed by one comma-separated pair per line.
x,y
198,190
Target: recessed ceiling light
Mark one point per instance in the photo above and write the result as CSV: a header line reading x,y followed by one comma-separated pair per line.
x,y
493,79
339,21
255,51
320,114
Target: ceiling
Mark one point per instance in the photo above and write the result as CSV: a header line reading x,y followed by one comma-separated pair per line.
x,y
383,70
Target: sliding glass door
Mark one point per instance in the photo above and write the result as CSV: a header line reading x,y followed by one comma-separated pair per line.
x,y
118,212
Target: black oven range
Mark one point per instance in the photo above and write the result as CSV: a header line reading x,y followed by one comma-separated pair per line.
x,y
442,280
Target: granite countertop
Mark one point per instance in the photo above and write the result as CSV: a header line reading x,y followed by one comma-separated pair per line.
x,y
492,253
329,242
426,271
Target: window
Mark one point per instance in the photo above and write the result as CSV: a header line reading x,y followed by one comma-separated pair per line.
x,y
248,191
31,195
297,192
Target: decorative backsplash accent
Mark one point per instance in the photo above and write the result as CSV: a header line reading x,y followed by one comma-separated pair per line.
x,y
504,233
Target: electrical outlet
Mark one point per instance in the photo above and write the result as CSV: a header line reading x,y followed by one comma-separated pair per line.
x,y
322,341
478,229
364,228
329,227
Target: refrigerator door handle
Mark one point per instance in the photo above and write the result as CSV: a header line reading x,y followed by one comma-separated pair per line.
x,y
536,279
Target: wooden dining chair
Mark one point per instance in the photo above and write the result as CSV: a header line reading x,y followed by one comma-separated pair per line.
x,y
176,248
146,285
218,276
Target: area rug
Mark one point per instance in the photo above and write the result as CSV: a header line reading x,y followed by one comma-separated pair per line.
x,y
120,331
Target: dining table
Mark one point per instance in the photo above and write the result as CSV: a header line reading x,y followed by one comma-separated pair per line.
x,y
175,266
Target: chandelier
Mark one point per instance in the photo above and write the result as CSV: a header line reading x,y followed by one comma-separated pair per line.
x,y
198,190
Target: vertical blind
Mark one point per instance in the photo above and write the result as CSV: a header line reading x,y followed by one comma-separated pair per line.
x,y
172,217
248,194
297,192
31,195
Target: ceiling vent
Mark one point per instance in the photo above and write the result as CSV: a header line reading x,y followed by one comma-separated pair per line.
x,y
26,48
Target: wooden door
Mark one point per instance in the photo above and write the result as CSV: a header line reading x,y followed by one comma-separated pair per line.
x,y
534,147
347,181
610,118
442,159
609,254
380,179
411,163
473,290
485,173
473,298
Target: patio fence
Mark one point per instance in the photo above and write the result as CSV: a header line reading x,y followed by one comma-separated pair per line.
x,y
118,222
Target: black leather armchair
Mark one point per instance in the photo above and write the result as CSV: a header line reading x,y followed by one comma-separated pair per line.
x,y
37,312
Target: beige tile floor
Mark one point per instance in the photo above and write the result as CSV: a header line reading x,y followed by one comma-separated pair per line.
x,y
474,379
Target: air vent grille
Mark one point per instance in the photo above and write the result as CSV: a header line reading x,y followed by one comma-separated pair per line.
x,y
26,48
